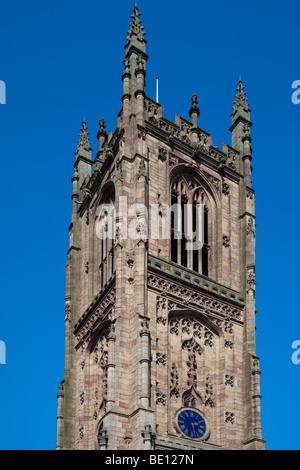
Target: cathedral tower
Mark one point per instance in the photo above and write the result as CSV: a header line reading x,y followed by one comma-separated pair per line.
x,y
160,337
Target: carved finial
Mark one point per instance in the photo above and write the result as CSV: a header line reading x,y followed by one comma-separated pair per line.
x,y
136,30
101,134
194,100
194,109
102,124
83,138
241,102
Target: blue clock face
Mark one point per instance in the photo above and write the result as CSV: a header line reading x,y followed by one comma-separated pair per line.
x,y
191,424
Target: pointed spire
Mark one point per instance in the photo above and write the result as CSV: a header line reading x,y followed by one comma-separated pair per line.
x,y
136,32
241,102
240,128
83,163
84,142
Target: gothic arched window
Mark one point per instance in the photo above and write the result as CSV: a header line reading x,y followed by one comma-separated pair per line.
x,y
190,225
105,230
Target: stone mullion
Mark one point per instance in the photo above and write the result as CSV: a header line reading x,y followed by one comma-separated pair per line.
x,y
167,199
218,248
179,228
227,230
189,209
105,260
91,260
95,261
108,256
201,222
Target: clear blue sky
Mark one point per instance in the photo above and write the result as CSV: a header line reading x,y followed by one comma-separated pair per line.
x,y
61,61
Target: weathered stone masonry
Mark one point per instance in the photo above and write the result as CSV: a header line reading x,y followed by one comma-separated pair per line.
x,y
153,329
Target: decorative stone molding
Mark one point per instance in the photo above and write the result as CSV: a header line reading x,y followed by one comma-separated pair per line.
x,y
229,380
145,331
215,182
192,371
209,391
130,264
161,359
165,271
173,160
225,189
81,433
174,390
251,282
226,241
162,154
256,368
118,172
208,338
190,297
86,267
161,399
250,193
142,169
153,113
161,310
250,225
142,135
111,336
228,327
229,417
67,312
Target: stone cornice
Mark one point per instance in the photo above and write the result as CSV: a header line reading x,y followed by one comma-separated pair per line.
x,y
195,280
184,295
203,158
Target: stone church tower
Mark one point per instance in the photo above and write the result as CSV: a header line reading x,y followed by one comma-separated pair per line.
x,y
160,339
